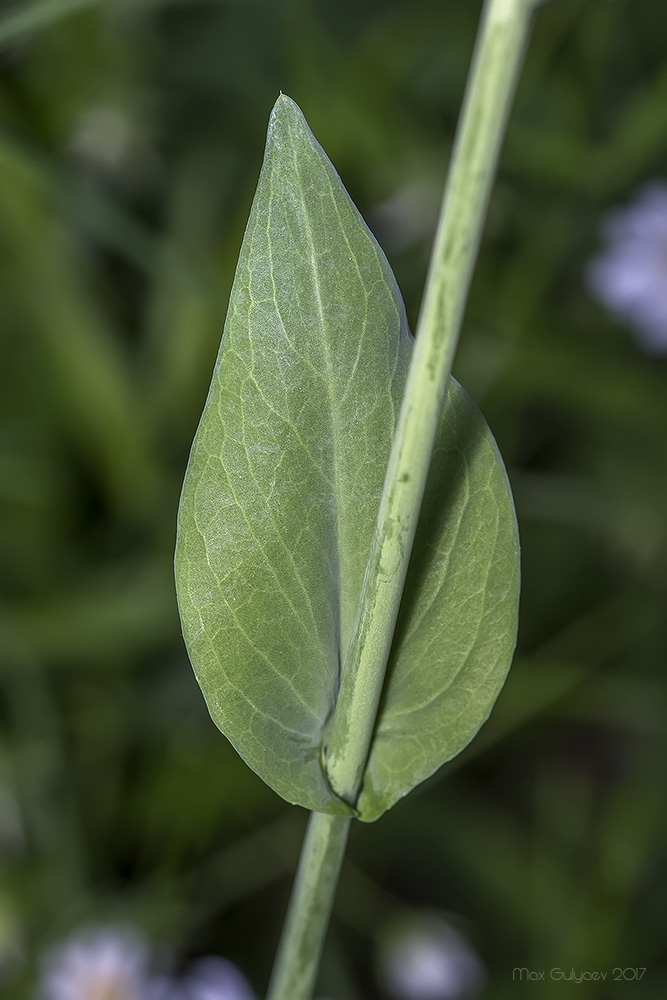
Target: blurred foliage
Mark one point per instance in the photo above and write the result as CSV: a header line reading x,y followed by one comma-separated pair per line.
x,y
131,133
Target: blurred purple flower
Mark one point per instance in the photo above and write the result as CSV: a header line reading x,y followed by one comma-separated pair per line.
x,y
630,276
96,964
111,964
216,979
429,960
208,979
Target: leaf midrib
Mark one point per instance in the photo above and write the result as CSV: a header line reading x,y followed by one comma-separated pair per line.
x,y
335,431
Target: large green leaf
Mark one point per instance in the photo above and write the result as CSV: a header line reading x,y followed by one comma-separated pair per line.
x,y
282,491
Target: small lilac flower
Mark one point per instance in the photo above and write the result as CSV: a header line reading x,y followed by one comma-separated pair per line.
x,y
208,979
216,979
427,959
96,964
630,276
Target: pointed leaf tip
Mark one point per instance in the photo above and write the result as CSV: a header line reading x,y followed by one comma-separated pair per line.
x,y
288,123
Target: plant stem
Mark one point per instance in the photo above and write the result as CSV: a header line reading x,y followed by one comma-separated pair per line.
x,y
310,907
497,58
494,70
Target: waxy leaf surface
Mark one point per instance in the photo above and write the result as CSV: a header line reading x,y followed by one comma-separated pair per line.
x,y
282,491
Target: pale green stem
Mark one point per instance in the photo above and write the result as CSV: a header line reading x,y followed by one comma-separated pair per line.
x,y
493,74
310,908
495,66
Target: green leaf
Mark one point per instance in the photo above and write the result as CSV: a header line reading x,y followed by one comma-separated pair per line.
x,y
282,491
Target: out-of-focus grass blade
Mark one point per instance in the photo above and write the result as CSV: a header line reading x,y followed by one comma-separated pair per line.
x,y
40,764
22,20
187,301
115,615
80,355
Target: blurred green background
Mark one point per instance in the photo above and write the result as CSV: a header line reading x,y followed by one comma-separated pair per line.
x,y
131,135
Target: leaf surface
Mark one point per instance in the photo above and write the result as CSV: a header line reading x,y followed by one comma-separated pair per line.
x,y
282,491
